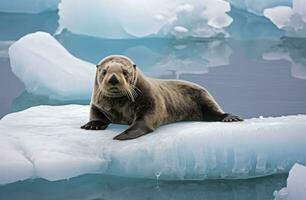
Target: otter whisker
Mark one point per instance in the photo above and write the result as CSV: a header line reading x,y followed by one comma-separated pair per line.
x,y
129,94
134,87
134,93
98,92
126,94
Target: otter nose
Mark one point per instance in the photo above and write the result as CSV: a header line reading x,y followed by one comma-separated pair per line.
x,y
113,80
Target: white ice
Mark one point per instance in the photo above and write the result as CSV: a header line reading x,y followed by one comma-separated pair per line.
x,y
129,19
296,185
28,6
291,19
47,68
46,141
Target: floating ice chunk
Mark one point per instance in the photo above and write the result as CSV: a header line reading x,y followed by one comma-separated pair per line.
x,y
292,20
280,15
297,182
47,68
32,6
49,139
282,194
296,185
128,19
181,29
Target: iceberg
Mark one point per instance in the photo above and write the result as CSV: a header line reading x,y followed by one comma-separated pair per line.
x,y
127,19
296,185
257,7
291,19
43,65
247,25
31,7
46,142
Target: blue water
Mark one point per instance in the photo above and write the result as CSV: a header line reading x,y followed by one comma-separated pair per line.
x,y
236,72
99,187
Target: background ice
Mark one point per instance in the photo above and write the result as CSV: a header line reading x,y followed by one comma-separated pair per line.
x,y
247,25
125,19
258,6
291,19
179,18
47,68
28,6
49,139
296,185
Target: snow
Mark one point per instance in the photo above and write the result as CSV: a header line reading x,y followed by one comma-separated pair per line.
x,y
291,19
28,6
46,142
47,68
127,19
296,185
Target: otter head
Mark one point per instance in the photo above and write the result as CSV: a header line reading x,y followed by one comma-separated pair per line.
x,y
116,77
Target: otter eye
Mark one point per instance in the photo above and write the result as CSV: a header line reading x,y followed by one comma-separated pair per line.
x,y
125,72
103,72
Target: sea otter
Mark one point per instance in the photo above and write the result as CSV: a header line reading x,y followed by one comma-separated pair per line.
x,y
122,94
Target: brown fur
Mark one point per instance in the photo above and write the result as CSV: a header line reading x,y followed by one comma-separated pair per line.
x,y
154,101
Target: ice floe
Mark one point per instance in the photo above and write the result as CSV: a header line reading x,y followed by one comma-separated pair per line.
x,y
46,141
296,185
47,68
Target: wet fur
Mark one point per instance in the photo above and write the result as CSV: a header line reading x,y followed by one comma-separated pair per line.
x,y
155,102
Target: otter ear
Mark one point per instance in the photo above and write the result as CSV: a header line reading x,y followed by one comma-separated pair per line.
x,y
134,65
97,66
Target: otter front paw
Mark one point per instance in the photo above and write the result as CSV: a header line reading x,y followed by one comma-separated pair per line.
x,y
95,125
231,118
130,134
